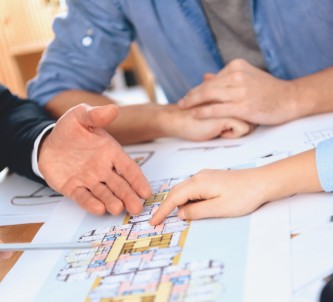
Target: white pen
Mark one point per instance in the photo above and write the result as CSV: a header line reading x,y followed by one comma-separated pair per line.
x,y
11,247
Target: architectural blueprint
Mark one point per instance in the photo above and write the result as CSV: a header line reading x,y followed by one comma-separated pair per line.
x,y
137,261
315,137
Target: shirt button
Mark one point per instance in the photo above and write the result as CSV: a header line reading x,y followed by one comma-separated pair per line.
x,y
87,41
88,38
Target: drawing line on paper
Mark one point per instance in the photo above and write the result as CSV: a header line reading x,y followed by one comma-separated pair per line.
x,y
37,198
141,157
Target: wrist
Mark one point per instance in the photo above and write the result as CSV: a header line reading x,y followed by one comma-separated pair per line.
x,y
293,175
167,123
138,123
266,187
160,121
304,98
277,184
42,154
37,149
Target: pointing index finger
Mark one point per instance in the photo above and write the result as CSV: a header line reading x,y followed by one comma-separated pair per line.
x,y
179,195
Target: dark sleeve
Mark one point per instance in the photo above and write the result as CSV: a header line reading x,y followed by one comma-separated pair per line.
x,y
20,124
327,292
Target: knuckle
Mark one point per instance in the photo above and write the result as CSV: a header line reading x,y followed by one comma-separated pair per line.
x,y
146,191
205,111
116,208
172,205
128,164
237,64
175,188
196,179
96,188
188,213
85,201
127,195
99,211
188,96
238,76
171,200
207,94
77,195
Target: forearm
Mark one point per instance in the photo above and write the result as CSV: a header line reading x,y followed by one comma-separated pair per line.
x,y
134,124
140,123
70,98
293,175
314,93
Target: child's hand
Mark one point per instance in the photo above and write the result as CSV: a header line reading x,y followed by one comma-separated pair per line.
x,y
221,193
216,193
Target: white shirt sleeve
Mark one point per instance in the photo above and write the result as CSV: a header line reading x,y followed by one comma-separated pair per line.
x,y
34,156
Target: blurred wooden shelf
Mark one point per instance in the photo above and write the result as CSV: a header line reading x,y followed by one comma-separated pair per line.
x,y
26,30
31,48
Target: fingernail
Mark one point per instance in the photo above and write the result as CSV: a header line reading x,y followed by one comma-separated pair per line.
x,y
151,222
181,214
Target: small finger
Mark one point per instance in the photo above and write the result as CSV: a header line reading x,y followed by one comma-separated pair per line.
x,y
121,188
235,128
112,203
209,92
130,171
87,201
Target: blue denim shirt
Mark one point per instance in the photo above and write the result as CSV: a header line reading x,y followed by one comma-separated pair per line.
x,y
295,37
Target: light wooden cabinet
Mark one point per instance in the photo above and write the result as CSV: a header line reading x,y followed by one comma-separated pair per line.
x,y
25,32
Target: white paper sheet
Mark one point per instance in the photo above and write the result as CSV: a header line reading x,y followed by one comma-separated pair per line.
x,y
25,201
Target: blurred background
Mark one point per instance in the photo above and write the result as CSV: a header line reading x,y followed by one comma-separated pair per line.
x,y
25,32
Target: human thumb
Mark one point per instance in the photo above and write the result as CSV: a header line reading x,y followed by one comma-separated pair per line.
x,y
101,116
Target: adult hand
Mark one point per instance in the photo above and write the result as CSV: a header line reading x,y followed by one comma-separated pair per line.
x,y
181,123
215,193
243,91
82,161
5,255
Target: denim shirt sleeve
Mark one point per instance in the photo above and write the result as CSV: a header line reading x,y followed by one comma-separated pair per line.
x,y
90,41
324,161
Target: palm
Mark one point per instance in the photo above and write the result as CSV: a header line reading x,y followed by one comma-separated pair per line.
x,y
82,161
